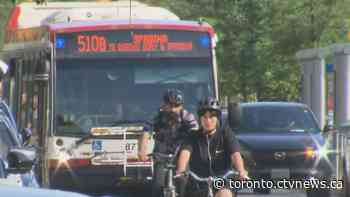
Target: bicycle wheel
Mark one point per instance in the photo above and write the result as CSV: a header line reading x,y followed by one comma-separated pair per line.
x,y
197,193
169,192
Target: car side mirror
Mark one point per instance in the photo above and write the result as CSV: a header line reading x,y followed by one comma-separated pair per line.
x,y
20,160
26,135
234,114
328,128
42,70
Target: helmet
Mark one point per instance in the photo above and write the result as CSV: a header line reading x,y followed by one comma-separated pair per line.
x,y
209,104
174,97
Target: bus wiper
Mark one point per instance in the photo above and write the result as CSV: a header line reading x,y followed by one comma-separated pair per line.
x,y
147,125
297,130
83,139
76,144
130,122
176,77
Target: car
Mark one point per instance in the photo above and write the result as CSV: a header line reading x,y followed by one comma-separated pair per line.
x,y
283,140
35,192
12,145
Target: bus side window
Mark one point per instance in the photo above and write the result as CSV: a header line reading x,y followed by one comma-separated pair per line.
x,y
35,112
26,96
18,92
34,93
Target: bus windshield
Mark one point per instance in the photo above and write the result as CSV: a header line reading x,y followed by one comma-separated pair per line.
x,y
92,93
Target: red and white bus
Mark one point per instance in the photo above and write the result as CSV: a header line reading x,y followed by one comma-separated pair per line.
x,y
87,77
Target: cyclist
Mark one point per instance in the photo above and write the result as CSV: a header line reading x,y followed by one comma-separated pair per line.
x,y
212,150
171,125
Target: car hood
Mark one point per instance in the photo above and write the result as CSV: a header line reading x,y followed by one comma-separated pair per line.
x,y
11,180
35,192
27,179
277,141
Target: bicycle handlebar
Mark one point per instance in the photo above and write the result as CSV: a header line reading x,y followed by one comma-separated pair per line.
x,y
200,179
229,173
210,178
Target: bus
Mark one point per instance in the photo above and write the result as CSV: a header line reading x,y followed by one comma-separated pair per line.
x,y
88,77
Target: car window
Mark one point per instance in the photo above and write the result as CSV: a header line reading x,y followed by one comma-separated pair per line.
x,y
6,140
12,127
4,109
277,119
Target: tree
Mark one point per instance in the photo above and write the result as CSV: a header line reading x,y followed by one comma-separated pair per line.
x,y
5,7
259,39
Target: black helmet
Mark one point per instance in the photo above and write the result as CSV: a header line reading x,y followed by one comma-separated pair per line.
x,y
209,104
173,97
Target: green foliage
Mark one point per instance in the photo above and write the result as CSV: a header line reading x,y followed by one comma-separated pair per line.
x,y
5,7
259,39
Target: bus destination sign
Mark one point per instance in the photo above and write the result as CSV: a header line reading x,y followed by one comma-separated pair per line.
x,y
133,43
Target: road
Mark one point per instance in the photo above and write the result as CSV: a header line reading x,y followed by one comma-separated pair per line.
x,y
140,192
281,193
247,193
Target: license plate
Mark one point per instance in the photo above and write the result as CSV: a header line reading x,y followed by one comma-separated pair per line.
x,y
96,145
280,173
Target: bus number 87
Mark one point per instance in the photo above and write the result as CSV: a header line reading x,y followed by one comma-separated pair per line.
x,y
130,146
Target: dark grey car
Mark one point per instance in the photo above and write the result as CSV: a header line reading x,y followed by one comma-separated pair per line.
x,y
283,140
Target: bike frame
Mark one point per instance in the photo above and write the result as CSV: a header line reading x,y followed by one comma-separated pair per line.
x,y
170,189
209,180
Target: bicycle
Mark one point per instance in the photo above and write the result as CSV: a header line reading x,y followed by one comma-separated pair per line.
x,y
170,189
209,180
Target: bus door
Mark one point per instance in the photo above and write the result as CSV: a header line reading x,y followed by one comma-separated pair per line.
x,y
27,86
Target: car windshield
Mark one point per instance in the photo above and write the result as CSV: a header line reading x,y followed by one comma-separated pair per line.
x,y
277,119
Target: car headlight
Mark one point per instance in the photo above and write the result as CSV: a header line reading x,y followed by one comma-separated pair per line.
x,y
323,152
311,153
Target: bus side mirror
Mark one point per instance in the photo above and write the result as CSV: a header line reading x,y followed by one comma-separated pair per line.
x,y
42,70
234,114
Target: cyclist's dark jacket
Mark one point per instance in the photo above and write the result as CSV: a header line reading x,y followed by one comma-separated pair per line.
x,y
222,144
171,129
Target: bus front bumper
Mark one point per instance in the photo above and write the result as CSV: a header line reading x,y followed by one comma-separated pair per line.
x,y
99,177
